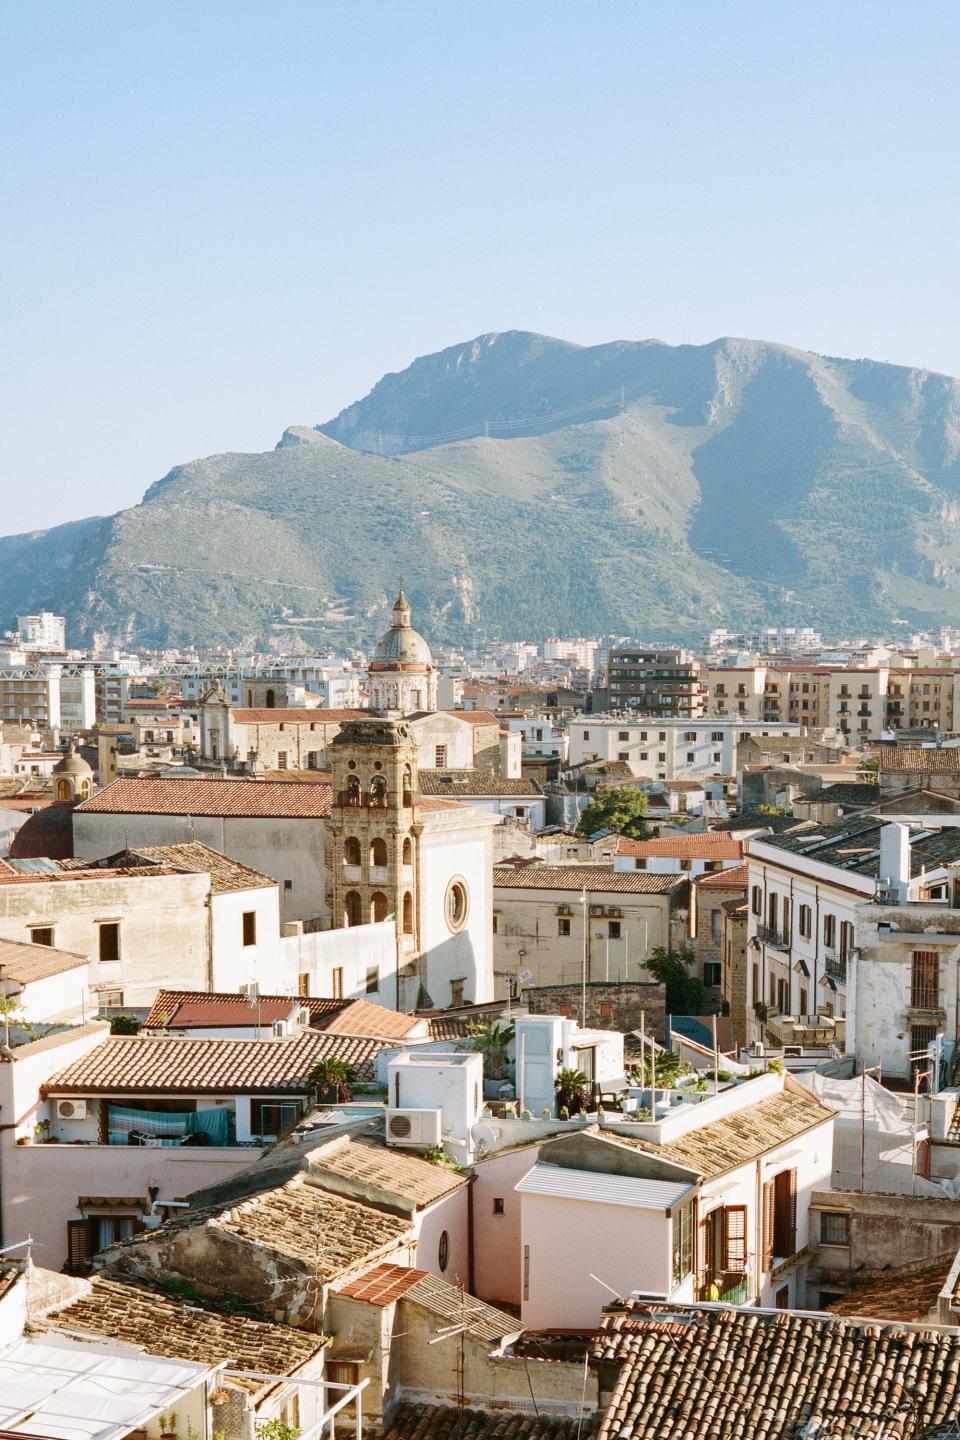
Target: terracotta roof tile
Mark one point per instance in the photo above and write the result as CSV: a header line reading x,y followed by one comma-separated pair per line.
x,y
382,1285
226,876
387,1283
451,783
749,1375
149,1064
903,1293
711,845
734,878
410,1421
136,1315
399,1177
935,759
242,799
25,962
594,878
202,1009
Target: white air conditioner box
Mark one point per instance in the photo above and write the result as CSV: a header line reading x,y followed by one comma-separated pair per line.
x,y
71,1109
414,1127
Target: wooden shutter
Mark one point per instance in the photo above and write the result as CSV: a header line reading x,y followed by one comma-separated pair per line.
x,y
792,1212
768,1224
81,1242
735,1237
703,1245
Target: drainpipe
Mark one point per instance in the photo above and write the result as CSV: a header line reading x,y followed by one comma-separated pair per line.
x,y
470,1261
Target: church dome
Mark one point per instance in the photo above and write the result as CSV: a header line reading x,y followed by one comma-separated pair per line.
x,y
72,763
402,647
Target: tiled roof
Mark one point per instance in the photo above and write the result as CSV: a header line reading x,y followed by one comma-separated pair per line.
x,y
474,717
732,879
361,1017
906,1293
68,873
332,1234
409,1421
226,875
291,715
735,907
242,799
402,1177
737,1139
25,962
448,1027
202,1009
136,1315
933,759
710,845
855,796
687,1373
594,878
451,783
853,844
148,1064
391,1282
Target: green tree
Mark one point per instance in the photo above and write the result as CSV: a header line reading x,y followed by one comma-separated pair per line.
x,y
672,969
620,808
773,810
572,1089
493,1043
331,1077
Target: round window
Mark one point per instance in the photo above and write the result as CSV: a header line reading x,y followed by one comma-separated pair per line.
x,y
443,1252
456,904
351,764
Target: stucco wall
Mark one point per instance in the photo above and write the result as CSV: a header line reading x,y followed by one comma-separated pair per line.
x,y
458,848
496,1238
235,964
354,951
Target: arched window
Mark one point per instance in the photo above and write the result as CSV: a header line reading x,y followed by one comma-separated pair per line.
x,y
407,913
378,852
351,850
378,906
351,908
378,793
443,1251
407,786
353,792
63,789
408,851
271,699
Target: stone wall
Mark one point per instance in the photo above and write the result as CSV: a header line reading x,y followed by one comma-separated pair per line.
x,y
885,1231
615,1005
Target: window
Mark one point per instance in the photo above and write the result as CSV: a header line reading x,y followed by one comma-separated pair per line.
x,y
691,756
407,913
756,900
378,853
716,736
343,1372
711,972
804,921
109,940
662,757
456,905
287,887
682,1243
563,925
829,931
303,984
662,735
846,938
351,908
613,929
834,1228
623,734
773,902
407,853
110,999
336,982
690,736
456,992
281,759
440,757
378,793
716,757
273,1117
378,907
249,927
498,1205
623,755
496,922
925,980
373,979
41,934
311,759
351,850
779,1217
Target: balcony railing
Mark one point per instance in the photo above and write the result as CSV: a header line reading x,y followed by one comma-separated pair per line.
x,y
776,939
730,1287
835,966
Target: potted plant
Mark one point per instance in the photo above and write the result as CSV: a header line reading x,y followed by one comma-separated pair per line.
x,y
331,1078
41,1129
493,1043
572,1089
168,1427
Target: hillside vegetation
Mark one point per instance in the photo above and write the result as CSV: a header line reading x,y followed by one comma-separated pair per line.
x,y
526,486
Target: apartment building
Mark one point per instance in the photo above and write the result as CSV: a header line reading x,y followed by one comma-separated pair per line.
x,y
668,749
655,681
51,696
736,690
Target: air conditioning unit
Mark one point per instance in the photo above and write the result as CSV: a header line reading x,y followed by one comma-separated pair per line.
x,y
71,1109
421,1128
793,1049
563,909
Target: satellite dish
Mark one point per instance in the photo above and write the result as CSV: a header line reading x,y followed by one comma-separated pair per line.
x,y
524,976
484,1134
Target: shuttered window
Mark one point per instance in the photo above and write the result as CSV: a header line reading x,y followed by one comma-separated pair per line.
x,y
735,1237
768,1224
81,1243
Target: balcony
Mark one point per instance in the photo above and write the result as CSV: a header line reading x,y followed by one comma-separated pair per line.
x,y
776,939
728,1287
835,966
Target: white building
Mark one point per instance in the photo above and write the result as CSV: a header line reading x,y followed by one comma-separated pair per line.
x,y
667,749
45,631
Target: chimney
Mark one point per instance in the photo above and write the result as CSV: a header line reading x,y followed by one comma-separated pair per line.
x,y
895,858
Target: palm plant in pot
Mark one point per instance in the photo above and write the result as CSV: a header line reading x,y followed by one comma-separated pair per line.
x,y
572,1089
331,1079
493,1043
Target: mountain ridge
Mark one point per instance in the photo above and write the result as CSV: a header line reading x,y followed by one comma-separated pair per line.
x,y
527,486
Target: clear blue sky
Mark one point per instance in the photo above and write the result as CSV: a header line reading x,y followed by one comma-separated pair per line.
x,y
222,217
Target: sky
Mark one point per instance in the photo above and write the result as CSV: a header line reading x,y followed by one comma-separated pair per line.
x,y
223,217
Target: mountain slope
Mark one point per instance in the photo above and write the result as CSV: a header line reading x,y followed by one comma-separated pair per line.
x,y
526,486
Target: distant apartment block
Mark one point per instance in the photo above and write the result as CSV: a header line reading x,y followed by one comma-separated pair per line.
x,y
667,749
45,631
655,682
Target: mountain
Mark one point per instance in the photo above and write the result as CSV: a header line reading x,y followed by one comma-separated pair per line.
x,y
525,486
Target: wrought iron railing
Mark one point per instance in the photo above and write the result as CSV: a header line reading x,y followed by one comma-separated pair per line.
x,y
730,1287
